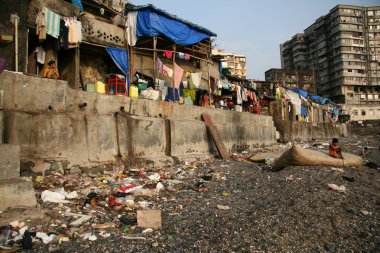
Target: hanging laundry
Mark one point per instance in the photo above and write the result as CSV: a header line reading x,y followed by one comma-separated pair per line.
x,y
40,55
185,84
168,54
239,99
64,35
41,25
73,33
278,93
52,22
78,3
244,95
159,65
195,79
219,84
166,71
296,101
178,73
187,74
79,30
181,56
130,28
159,84
187,57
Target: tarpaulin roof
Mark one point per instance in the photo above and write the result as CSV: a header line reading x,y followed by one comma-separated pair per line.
x,y
301,92
320,100
152,21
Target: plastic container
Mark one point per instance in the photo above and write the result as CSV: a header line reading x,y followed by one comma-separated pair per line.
x,y
100,87
133,92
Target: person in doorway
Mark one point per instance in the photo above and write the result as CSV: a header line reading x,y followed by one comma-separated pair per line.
x,y
51,71
335,150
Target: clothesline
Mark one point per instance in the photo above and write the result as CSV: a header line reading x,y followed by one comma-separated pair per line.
x,y
161,50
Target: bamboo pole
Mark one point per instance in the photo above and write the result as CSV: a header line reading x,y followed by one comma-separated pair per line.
x,y
154,60
173,86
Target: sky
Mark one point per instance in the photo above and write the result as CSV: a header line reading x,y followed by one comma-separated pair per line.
x,y
255,28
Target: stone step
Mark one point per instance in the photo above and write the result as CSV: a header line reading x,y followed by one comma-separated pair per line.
x,y
9,161
16,193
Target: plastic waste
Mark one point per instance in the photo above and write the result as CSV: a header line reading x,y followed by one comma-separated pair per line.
x,y
335,187
55,197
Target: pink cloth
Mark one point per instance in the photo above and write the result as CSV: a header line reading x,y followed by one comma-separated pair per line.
x,y
168,54
178,73
166,71
159,65
187,57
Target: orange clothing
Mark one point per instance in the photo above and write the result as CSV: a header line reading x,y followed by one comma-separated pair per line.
x,y
334,151
51,73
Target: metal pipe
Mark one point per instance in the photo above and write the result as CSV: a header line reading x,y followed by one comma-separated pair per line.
x,y
15,19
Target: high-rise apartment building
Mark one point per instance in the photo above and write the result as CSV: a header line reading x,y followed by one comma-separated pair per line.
x,y
236,63
342,48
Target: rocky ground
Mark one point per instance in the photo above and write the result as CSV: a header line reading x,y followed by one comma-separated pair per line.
x,y
222,206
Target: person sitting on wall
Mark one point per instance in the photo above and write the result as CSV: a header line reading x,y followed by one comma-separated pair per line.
x,y
334,149
51,71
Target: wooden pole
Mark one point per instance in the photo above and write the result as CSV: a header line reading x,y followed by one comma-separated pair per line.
x,y
173,86
154,59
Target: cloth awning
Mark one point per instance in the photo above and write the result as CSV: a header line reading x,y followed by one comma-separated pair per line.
x,y
152,22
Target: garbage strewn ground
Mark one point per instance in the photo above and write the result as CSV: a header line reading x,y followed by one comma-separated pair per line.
x,y
209,206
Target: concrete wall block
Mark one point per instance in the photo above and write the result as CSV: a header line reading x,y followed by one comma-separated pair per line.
x,y
31,93
15,192
9,161
190,137
141,137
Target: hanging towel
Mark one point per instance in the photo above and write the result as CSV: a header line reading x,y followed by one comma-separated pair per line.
x,y
159,65
181,56
41,25
178,73
130,28
168,54
73,33
195,79
79,30
166,71
53,21
185,84
40,55
244,95
187,57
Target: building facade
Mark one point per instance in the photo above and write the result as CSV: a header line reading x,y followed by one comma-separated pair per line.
x,y
236,63
342,48
292,78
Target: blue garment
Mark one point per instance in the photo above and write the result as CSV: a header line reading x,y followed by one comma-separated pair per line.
x,y
336,111
320,100
301,92
151,23
78,3
172,97
120,57
304,111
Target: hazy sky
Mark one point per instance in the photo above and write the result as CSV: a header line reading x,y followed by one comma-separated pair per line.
x,y
252,27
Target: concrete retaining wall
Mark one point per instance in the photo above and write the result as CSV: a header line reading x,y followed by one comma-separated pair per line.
x,y
43,117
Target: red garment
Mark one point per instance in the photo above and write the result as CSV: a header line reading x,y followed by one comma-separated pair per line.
x,y
168,54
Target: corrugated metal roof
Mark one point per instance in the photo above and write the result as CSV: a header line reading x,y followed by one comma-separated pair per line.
x,y
165,13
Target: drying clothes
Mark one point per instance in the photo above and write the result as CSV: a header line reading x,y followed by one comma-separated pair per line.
x,y
187,57
52,22
188,101
168,54
219,84
181,56
239,99
41,53
64,35
160,84
41,25
166,71
78,3
190,93
185,84
73,33
195,79
172,97
131,28
178,73
296,101
278,93
164,92
79,30
159,65
303,111
244,94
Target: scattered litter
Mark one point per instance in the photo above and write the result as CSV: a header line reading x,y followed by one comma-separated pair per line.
x,y
55,197
134,238
46,239
335,187
349,178
149,218
83,218
148,230
366,213
337,169
221,207
289,178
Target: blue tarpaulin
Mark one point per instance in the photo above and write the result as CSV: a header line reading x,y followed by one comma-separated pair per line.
x,y
303,111
301,92
336,111
78,3
152,22
320,100
120,57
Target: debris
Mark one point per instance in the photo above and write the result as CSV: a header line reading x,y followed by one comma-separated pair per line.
x,y
155,177
337,169
55,197
221,207
46,239
148,230
83,218
133,238
159,187
366,213
349,178
226,194
334,187
128,220
149,218
289,178
105,225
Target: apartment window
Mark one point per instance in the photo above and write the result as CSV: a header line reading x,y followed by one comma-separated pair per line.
x,y
363,113
349,70
370,13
